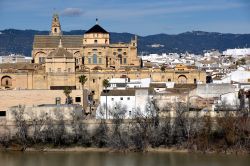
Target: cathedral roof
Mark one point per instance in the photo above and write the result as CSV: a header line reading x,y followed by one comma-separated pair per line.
x,y
47,41
96,29
60,53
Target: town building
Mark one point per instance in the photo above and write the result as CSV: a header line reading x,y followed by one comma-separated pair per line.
x,y
59,60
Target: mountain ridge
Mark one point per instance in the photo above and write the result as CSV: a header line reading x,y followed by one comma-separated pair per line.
x,y
20,41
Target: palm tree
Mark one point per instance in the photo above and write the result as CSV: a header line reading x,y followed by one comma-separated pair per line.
x,y
82,79
106,84
163,68
67,90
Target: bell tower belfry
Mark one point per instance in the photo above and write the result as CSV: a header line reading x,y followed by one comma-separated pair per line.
x,y
56,26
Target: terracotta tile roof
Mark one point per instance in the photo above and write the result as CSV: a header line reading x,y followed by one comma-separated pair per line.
x,y
185,86
19,66
60,52
47,41
157,85
127,92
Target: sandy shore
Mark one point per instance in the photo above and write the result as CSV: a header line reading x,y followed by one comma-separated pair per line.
x,y
83,149
69,149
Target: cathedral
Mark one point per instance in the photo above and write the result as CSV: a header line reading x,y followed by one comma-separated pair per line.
x,y
59,60
91,50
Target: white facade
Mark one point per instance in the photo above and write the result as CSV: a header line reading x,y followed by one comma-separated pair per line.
x,y
237,52
123,83
240,76
126,105
13,58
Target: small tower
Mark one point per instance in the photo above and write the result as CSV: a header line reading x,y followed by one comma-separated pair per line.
x,y
55,27
134,41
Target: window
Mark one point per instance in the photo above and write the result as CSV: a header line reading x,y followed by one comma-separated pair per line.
x,y
169,80
195,81
112,99
95,41
120,58
41,59
2,113
59,70
89,60
124,53
130,113
94,59
128,98
78,99
119,49
100,53
121,98
114,53
100,61
55,30
125,60
93,80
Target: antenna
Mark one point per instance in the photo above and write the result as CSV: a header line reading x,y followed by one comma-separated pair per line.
x,y
96,21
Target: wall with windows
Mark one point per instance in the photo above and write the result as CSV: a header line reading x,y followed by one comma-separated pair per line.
x,y
96,38
60,65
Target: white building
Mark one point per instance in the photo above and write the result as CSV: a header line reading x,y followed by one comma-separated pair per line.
x,y
122,83
237,52
13,58
126,103
240,76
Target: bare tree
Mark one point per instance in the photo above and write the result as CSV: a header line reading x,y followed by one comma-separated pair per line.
x,y
119,139
80,133
22,126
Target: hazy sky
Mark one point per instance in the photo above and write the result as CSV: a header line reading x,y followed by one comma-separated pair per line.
x,y
143,17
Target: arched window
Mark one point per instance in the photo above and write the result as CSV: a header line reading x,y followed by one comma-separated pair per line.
x,y
182,79
6,81
94,59
55,30
120,58
95,41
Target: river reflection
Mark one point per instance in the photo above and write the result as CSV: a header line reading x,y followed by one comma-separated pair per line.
x,y
119,159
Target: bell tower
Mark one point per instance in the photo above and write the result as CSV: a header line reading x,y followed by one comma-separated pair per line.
x,y
55,27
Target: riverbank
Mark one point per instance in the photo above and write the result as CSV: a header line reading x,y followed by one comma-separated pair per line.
x,y
86,149
110,150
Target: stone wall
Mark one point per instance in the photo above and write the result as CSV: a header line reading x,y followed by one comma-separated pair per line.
x,y
9,98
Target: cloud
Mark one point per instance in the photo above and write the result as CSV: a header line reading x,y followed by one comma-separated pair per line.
x,y
72,12
163,9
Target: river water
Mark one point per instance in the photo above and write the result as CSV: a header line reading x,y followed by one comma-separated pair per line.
x,y
119,159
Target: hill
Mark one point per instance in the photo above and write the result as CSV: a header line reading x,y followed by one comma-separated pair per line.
x,y
20,41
